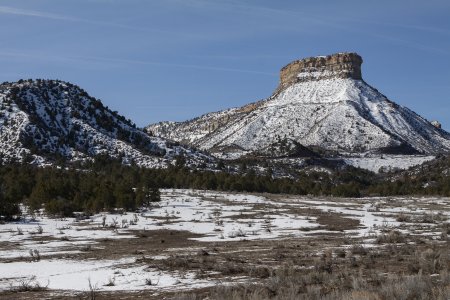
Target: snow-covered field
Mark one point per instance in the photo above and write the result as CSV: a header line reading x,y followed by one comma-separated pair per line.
x,y
387,163
61,254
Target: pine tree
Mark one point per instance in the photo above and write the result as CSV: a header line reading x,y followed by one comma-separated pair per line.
x,y
155,195
8,208
39,196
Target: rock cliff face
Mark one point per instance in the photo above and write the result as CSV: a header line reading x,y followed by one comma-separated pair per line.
x,y
321,103
341,65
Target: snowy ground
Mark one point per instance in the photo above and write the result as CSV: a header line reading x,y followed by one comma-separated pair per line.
x,y
387,162
67,254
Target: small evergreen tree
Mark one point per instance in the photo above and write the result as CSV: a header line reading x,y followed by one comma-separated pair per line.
x,y
8,208
155,195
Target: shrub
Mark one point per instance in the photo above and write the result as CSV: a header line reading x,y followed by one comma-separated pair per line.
x,y
393,237
28,285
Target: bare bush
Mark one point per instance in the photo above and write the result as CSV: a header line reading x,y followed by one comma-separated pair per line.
x,y
114,223
86,248
135,220
358,250
403,218
431,218
39,230
148,281
35,255
430,261
392,237
28,285
93,288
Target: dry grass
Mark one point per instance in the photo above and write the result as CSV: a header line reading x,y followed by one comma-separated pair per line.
x,y
394,271
288,283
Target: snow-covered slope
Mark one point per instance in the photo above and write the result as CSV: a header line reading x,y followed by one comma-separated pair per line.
x,y
321,103
45,120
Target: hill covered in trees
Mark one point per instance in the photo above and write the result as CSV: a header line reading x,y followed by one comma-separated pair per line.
x,y
50,121
106,184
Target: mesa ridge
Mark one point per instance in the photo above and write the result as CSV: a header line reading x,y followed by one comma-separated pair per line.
x,y
322,103
341,65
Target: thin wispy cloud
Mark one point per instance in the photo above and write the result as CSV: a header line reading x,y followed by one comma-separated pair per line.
x,y
412,27
34,13
32,56
341,23
259,11
437,30
51,16
242,57
330,22
114,62
175,65
411,44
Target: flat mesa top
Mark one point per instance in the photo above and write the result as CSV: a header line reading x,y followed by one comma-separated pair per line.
x,y
333,59
341,65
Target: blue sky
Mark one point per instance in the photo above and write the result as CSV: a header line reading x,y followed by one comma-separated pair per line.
x,y
176,59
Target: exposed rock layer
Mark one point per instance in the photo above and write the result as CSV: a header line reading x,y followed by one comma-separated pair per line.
x,y
341,65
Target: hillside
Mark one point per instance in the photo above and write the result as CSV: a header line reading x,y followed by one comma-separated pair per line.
x,y
42,121
323,104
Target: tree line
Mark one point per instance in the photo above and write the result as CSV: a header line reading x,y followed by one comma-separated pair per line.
x,y
106,184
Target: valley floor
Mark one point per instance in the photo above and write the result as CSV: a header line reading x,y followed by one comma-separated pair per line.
x,y
197,244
